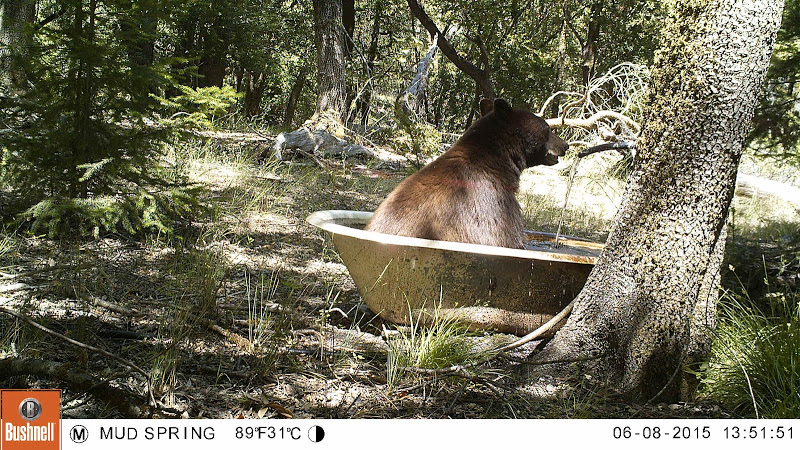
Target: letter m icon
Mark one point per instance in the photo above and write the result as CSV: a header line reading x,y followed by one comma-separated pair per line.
x,y
78,434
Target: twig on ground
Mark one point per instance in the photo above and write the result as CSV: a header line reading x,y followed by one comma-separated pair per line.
x,y
544,363
73,341
27,273
113,307
313,157
16,287
266,307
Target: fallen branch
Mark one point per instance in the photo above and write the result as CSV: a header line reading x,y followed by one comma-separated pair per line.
x,y
73,341
112,333
15,287
500,352
553,361
266,307
233,136
113,307
241,341
27,273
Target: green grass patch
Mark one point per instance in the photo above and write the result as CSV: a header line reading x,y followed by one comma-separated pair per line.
x,y
755,363
430,341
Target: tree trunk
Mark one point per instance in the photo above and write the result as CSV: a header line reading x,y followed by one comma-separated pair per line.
x,y
372,55
329,35
14,42
213,64
349,24
212,70
561,67
650,303
589,50
297,89
255,84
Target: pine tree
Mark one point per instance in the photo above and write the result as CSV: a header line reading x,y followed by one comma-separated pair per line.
x,y
82,152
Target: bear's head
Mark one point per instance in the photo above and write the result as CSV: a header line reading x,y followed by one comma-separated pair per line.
x,y
540,145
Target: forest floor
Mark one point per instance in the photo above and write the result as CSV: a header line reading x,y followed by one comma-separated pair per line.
x,y
250,312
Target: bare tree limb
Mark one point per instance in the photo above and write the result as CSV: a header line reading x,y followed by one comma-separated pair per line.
x,y
550,99
624,145
592,122
480,76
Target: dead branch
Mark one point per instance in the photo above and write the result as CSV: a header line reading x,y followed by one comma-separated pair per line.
x,y
554,361
16,287
113,307
624,145
241,341
118,398
592,122
254,137
550,99
481,76
114,333
27,273
73,341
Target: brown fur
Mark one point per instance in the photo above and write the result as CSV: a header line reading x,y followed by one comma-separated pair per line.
x,y
468,193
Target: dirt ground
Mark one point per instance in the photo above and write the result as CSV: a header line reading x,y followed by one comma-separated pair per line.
x,y
250,313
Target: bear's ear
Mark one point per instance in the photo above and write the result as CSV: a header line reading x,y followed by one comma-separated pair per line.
x,y
486,106
501,107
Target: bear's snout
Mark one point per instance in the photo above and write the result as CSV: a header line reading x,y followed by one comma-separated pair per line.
x,y
555,147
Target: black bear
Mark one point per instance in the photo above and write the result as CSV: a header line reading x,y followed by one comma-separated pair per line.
x,y
468,193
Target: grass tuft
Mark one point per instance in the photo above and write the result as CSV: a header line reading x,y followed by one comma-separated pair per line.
x,y
755,362
429,342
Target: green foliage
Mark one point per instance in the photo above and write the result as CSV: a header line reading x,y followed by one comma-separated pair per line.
x,y
137,211
421,139
198,108
777,117
753,368
81,152
527,58
755,363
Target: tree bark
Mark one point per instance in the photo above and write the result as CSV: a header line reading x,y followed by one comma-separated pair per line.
x,y
480,75
649,305
255,84
213,64
589,49
349,24
14,41
372,54
294,96
330,40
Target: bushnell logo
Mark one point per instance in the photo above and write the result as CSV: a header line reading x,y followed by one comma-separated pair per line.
x,y
31,419
30,409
